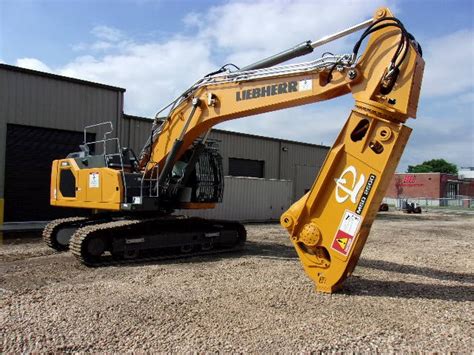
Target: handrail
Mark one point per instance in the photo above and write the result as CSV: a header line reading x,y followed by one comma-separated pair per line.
x,y
104,142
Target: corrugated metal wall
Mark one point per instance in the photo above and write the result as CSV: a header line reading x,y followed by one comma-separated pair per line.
x,y
136,132
234,145
285,160
31,99
301,163
41,101
250,199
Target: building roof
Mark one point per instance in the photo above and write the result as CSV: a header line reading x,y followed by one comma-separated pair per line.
x,y
429,173
59,77
137,118
269,138
141,118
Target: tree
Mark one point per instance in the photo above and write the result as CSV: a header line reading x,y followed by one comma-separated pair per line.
x,y
433,166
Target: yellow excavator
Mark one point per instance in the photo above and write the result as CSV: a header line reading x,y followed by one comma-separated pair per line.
x,y
180,168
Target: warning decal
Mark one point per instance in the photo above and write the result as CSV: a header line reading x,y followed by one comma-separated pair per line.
x,y
94,180
346,232
342,242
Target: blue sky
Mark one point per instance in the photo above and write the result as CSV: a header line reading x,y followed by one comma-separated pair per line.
x,y
157,48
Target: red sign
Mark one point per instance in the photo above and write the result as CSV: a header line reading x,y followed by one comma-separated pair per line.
x,y
342,242
409,179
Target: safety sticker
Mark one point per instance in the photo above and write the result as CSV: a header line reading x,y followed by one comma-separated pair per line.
x,y
94,180
305,85
346,232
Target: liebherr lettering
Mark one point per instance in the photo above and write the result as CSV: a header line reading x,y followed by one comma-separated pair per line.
x,y
269,90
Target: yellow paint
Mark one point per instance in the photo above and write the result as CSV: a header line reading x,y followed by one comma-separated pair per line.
x,y
107,195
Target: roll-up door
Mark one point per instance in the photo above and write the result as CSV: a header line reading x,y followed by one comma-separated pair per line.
x,y
29,153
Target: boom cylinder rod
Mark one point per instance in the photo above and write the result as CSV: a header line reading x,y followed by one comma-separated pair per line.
x,y
347,31
303,48
195,103
297,51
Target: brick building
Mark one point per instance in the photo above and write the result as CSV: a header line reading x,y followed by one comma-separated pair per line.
x,y
466,188
429,185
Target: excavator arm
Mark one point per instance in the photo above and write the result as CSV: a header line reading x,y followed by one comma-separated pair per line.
x,y
329,225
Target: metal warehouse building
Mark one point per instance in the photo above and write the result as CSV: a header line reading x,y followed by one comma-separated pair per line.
x,y
42,117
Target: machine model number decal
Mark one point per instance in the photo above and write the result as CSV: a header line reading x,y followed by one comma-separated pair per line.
x,y
365,193
269,90
346,232
348,186
93,180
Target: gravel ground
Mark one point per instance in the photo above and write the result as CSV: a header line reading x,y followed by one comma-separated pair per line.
x,y
412,290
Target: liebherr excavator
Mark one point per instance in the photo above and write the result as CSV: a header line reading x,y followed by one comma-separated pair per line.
x,y
180,168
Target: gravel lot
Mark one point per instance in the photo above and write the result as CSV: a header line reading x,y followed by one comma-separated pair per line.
x,y
412,290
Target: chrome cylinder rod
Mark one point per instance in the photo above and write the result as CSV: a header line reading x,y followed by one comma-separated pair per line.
x,y
303,48
347,31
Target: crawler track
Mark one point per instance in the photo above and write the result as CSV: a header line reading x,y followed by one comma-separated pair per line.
x,y
52,228
142,240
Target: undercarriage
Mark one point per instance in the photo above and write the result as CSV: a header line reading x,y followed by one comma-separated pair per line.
x,y
100,241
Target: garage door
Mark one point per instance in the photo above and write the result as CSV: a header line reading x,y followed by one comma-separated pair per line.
x,y
29,153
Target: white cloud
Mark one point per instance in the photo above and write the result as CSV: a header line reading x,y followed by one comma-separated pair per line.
x,y
152,73
465,98
32,63
193,19
101,45
107,33
106,39
251,30
449,65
